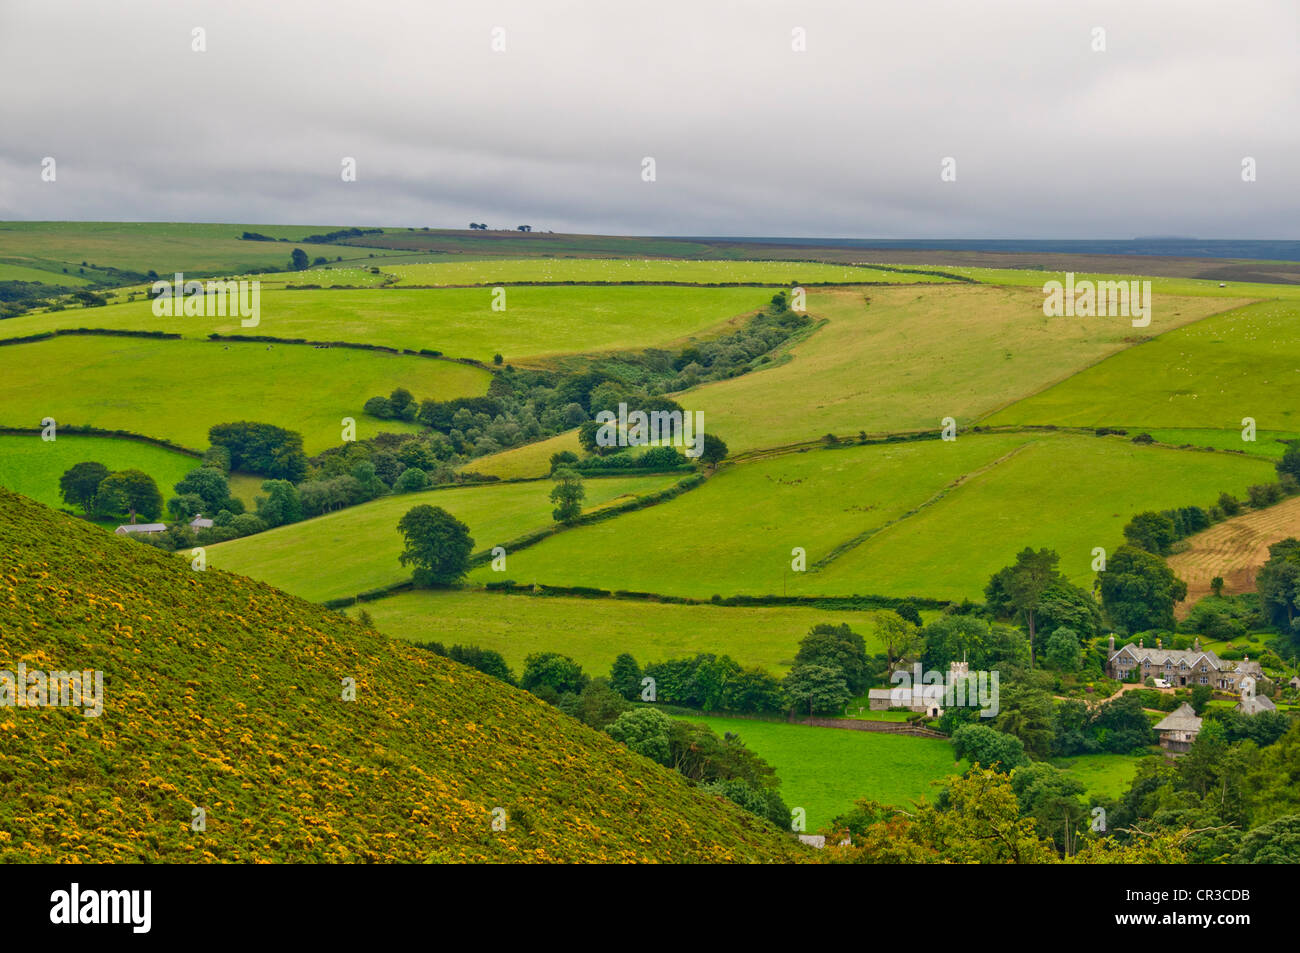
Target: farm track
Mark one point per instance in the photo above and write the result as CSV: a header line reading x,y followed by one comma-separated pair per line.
x,y
1234,549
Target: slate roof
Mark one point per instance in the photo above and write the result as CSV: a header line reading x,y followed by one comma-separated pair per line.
x,y
1182,718
1254,704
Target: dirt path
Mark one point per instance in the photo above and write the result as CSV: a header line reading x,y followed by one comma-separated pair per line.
x,y
1234,549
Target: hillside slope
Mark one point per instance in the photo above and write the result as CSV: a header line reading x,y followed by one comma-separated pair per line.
x,y
224,694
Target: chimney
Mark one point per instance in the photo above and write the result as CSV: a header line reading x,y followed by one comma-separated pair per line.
x,y
1160,643
1196,644
1110,644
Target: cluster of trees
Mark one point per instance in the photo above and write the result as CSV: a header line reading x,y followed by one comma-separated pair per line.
x,y
1278,583
1036,594
1138,594
98,491
738,352
265,449
1235,791
1231,799
526,405
830,668
1035,815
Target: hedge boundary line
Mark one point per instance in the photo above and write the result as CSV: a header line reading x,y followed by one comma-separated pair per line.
x,y
91,332
354,345
86,430
535,537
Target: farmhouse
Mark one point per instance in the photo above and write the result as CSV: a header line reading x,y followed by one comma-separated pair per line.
x,y
199,523
1179,667
143,529
1179,729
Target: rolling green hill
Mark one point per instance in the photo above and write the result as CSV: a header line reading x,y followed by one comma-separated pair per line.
x,y
225,695
176,390
459,322
923,518
356,549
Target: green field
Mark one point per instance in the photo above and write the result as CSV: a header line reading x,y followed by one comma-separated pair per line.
x,y
459,322
1190,287
825,770
20,269
1266,443
165,247
1067,493
1103,775
912,357
1210,375
32,466
787,273
177,390
735,534
595,631
356,549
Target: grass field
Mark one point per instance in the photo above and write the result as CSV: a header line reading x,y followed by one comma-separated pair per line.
x,y
459,322
19,269
504,271
595,632
736,533
1210,375
1183,287
32,466
178,389
1268,444
825,770
356,549
914,356
165,246
530,460
1103,775
1067,493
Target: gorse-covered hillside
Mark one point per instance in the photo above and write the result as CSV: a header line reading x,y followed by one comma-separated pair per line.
x,y
225,696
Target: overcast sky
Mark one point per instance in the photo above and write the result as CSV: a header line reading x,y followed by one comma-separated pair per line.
x,y
749,136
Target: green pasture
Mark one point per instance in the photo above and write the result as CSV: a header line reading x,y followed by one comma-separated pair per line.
x,y
26,269
32,466
356,549
1212,374
459,322
594,632
178,389
1102,775
1183,287
923,532
826,770
504,271
1063,492
902,359
165,247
